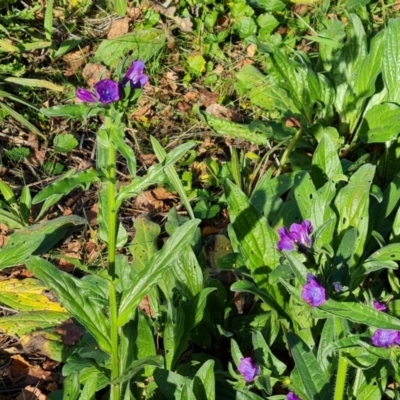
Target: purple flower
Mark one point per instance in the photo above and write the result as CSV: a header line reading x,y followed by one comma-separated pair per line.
x,y
135,75
313,293
292,396
385,337
298,234
106,91
248,369
379,306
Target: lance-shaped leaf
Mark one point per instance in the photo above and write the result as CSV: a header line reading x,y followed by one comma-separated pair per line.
x,y
158,264
76,298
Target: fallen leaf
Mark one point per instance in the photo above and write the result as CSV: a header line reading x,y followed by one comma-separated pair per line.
x,y
94,72
31,393
75,60
118,28
147,202
162,194
251,50
70,333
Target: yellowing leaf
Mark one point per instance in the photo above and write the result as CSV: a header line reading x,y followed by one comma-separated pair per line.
x,y
28,295
43,342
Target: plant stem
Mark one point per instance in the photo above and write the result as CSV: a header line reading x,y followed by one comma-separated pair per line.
x,y
341,377
112,239
356,383
288,150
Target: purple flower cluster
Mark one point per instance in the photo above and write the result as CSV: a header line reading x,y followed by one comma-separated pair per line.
x,y
298,234
385,337
292,396
379,306
313,293
106,91
248,369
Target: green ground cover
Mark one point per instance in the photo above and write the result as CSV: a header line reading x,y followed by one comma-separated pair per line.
x,y
199,200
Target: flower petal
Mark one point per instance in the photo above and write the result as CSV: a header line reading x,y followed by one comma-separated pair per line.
x,y
312,292
248,369
286,242
85,95
135,75
301,232
379,306
107,91
384,337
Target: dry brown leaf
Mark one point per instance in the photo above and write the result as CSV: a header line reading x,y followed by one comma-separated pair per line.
x,y
162,194
147,159
172,77
145,306
147,202
207,98
145,110
251,50
118,28
219,111
91,214
31,393
134,13
94,72
70,333
75,60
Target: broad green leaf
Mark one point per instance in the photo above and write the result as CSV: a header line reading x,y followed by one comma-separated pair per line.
x,y
204,381
89,388
18,249
325,162
71,387
361,313
120,7
172,175
326,338
35,239
257,239
233,130
70,110
333,36
297,267
297,205
391,61
77,299
28,295
64,143
381,124
71,180
156,266
261,92
352,204
170,383
175,337
263,353
387,253
142,44
24,322
316,384
267,298
144,244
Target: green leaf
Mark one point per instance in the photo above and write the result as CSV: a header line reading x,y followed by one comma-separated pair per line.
x,y
352,203
325,161
197,64
64,143
71,387
144,244
224,128
245,27
387,253
89,388
77,298
120,7
326,338
263,353
8,195
156,266
391,61
172,175
25,322
170,383
204,381
143,45
70,110
361,313
48,19
316,384
25,204
381,123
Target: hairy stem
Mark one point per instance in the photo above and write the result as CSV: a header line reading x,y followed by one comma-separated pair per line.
x,y
341,377
112,238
